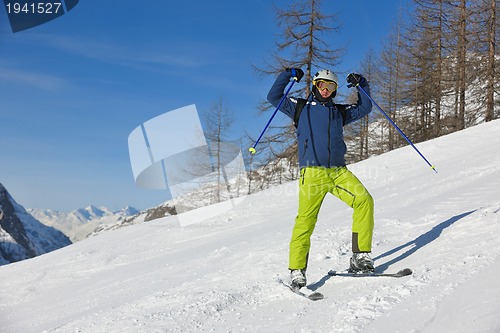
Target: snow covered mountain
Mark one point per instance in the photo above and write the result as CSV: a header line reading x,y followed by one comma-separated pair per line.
x,y
220,274
21,235
80,223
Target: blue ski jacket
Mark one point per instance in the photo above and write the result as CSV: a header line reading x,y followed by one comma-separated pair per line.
x,y
320,129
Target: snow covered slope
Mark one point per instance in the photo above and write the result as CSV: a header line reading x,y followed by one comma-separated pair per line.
x,y
220,274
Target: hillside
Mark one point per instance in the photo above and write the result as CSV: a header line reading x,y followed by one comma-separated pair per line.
x,y
21,235
220,274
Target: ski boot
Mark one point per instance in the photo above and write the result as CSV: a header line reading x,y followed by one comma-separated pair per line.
x,y
361,263
298,277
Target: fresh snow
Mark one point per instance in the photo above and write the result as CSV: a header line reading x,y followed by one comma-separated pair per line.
x,y
220,274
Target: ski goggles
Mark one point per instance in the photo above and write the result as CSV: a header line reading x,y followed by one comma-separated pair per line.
x,y
325,85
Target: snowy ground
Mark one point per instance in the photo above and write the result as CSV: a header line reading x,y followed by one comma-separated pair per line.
x,y
220,274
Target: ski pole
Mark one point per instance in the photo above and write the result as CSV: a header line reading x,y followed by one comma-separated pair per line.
x,y
252,149
397,128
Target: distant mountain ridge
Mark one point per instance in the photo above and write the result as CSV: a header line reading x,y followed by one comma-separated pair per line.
x,y
26,233
21,235
82,222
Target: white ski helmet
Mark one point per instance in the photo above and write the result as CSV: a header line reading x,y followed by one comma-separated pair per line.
x,y
326,74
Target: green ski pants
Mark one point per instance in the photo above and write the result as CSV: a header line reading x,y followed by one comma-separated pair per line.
x,y
314,184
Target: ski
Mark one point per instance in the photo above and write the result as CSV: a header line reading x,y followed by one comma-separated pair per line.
x,y
401,273
314,296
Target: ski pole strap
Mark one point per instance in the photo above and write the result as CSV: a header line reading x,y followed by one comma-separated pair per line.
x,y
396,127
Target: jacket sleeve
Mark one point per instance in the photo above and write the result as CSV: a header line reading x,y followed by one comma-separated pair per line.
x,y
276,94
361,108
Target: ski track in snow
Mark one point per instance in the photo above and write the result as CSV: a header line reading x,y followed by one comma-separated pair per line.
x,y
220,275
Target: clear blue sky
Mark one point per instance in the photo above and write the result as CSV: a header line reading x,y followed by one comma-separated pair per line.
x,y
73,89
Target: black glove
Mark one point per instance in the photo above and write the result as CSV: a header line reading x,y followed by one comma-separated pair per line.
x,y
355,79
297,73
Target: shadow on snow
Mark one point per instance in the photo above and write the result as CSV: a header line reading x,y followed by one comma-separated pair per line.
x,y
418,242
412,246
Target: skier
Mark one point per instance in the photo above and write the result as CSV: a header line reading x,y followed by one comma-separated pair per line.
x,y
323,170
